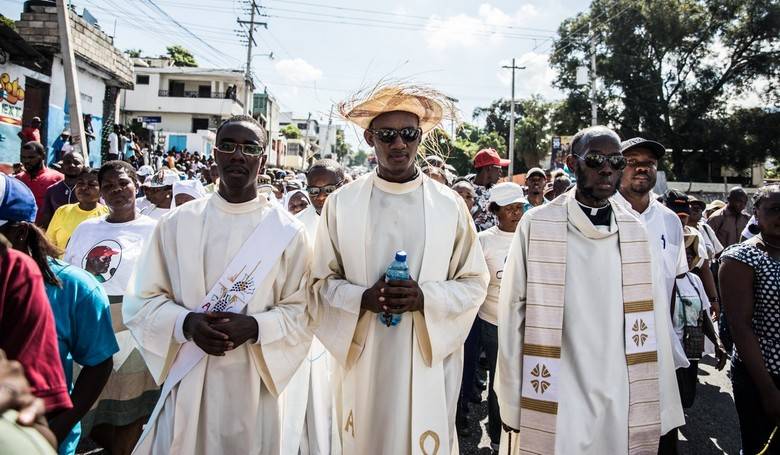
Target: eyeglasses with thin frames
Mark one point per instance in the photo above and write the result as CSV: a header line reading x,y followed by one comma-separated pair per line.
x,y
246,149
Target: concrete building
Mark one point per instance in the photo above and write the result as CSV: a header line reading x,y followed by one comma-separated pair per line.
x,y
102,70
267,111
181,106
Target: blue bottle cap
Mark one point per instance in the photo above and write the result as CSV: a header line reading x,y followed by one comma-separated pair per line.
x,y
400,256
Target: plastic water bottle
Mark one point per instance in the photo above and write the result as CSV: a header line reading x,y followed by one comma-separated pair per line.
x,y
398,271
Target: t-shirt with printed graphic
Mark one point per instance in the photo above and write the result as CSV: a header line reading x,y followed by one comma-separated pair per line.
x,y
689,301
495,245
483,218
109,251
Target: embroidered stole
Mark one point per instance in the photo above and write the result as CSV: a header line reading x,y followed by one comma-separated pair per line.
x,y
544,328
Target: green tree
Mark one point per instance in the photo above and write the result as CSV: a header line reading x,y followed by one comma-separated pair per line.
x,y
181,56
7,22
290,131
668,66
342,148
359,158
133,53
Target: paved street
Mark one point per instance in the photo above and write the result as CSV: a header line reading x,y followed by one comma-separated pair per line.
x,y
712,421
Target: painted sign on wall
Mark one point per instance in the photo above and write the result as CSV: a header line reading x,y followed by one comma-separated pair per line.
x,y
11,109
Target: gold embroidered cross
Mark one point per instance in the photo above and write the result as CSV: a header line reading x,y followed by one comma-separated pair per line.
x,y
639,336
540,371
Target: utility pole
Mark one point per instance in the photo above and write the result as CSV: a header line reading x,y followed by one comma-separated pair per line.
x,y
251,24
327,132
594,111
512,121
71,80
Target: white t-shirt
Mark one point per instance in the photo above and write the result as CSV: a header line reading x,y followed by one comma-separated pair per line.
x,y
145,207
109,251
495,244
690,300
113,143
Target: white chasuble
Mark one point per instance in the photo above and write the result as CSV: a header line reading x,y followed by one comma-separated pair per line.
x,y
591,386
397,386
225,404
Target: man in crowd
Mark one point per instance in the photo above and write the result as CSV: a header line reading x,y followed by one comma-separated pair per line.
x,y
664,229
31,133
466,191
603,382
213,179
490,168
113,144
696,220
63,192
535,180
400,375
217,308
729,221
36,175
561,184
60,146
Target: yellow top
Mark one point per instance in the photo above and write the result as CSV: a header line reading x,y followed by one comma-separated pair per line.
x,y
67,218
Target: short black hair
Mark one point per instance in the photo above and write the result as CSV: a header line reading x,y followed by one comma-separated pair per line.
x,y
89,171
116,166
35,145
327,165
763,194
494,208
585,136
247,119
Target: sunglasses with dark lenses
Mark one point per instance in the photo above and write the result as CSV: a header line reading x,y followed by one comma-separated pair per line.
x,y
327,189
388,135
246,149
596,161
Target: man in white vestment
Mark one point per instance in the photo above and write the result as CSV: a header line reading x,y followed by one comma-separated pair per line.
x,y
309,424
217,307
585,360
398,343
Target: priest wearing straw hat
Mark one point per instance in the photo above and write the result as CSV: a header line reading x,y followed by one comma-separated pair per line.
x,y
585,362
398,342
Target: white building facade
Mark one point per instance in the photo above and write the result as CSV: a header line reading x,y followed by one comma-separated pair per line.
x,y
181,106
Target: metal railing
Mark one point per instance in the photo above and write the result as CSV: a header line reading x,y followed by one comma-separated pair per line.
x,y
195,94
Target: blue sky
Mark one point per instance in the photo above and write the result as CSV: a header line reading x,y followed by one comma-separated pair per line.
x,y
326,49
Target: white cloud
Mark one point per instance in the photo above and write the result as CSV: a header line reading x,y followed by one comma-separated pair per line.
x,y
462,30
298,71
536,78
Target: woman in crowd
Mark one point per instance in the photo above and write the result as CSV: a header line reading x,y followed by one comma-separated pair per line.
x,y
69,216
296,201
187,190
158,194
506,202
82,319
750,289
108,248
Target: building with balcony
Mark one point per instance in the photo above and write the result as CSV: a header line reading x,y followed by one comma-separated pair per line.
x,y
182,106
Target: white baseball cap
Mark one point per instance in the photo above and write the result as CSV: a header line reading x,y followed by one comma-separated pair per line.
x,y
506,193
162,178
145,170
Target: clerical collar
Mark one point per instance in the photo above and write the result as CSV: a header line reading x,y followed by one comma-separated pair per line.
x,y
399,188
599,216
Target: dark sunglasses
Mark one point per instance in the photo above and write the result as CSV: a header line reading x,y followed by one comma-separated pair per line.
x,y
246,149
327,189
596,161
388,135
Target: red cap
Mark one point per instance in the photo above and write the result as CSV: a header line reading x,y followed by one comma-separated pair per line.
x,y
101,251
489,157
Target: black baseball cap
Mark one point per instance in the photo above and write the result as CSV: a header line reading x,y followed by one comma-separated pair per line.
x,y
639,142
678,202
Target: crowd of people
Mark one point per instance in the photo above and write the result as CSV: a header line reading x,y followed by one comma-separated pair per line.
x,y
200,305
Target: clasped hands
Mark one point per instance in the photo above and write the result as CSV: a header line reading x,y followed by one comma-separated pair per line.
x,y
219,332
393,297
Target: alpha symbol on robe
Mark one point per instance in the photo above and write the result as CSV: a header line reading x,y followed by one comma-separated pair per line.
x,y
639,329
436,442
239,288
350,426
540,373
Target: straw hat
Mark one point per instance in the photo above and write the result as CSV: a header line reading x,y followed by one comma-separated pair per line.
x,y
429,105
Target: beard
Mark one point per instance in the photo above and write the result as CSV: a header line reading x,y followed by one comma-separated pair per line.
x,y
587,186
